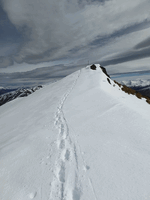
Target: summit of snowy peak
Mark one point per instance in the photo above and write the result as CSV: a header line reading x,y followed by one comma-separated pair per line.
x,y
97,67
112,87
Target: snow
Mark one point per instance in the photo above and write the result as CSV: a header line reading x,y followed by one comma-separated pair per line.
x,y
76,139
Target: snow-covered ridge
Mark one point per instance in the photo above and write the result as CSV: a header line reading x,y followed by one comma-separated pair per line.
x,y
139,93
81,138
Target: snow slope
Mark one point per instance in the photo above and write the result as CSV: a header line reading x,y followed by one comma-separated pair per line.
x,y
78,139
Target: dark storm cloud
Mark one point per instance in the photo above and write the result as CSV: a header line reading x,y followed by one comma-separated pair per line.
x,y
5,61
8,31
9,39
128,56
143,44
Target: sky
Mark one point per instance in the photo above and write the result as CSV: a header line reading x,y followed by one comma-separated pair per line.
x,y
41,33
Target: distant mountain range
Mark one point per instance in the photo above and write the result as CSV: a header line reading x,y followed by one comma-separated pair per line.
x,y
136,83
7,94
142,86
7,90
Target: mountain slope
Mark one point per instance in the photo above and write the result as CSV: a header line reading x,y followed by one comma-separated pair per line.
x,y
142,86
80,138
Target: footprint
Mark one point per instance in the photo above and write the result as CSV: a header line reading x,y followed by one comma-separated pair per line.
x,y
76,194
32,195
62,129
62,144
67,155
85,168
62,173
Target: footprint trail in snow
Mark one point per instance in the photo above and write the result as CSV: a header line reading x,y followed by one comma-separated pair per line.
x,y
65,184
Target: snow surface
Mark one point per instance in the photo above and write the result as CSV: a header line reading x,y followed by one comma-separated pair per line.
x,y
77,139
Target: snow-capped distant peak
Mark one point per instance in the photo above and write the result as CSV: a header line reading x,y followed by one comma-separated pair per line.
x,y
136,83
96,65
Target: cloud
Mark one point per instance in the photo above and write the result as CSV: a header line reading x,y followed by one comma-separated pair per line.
x,y
54,29
5,61
44,75
104,40
128,56
127,49
143,44
131,70
132,66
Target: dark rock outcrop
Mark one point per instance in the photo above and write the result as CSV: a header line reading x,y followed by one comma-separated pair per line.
x,y
108,81
104,70
93,67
